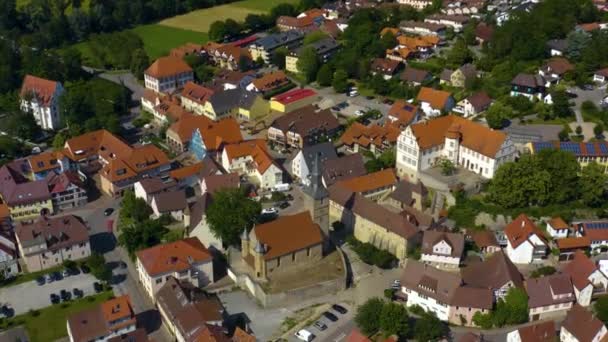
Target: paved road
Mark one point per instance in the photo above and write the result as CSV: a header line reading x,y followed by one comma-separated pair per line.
x,y
331,98
336,331
595,96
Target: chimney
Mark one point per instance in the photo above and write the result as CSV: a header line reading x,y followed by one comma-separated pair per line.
x,y
523,223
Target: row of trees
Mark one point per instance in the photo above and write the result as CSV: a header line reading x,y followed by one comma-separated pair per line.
x,y
548,177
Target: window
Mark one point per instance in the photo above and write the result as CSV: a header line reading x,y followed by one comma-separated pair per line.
x,y
159,280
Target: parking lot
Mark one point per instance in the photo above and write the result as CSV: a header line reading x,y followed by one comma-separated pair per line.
x,y
334,330
31,296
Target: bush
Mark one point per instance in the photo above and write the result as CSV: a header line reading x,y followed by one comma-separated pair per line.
x,y
371,255
417,310
389,294
543,271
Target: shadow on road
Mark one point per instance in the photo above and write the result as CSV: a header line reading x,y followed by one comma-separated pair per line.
x,y
149,320
103,242
237,320
118,278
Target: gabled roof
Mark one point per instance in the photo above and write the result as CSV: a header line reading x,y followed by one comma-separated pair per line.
x,y
273,41
557,223
215,183
17,190
493,273
485,239
528,80
196,93
430,281
480,101
45,161
432,237
256,149
520,230
99,321
55,232
437,99
557,65
385,66
325,151
41,89
582,324
343,168
403,111
541,291
167,66
415,75
371,181
170,201
541,332
173,257
484,31
271,80
306,120
579,270
375,134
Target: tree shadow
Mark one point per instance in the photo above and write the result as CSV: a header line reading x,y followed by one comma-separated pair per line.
x,y
149,320
103,242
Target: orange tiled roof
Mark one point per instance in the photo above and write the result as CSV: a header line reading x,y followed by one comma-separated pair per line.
x,y
437,99
173,257
271,80
288,234
472,135
371,181
521,229
196,93
416,43
4,211
256,149
573,242
117,308
373,134
40,88
167,66
394,30
558,223
44,161
186,171
403,111
187,124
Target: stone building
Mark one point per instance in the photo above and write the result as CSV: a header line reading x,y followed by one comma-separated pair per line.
x,y
316,198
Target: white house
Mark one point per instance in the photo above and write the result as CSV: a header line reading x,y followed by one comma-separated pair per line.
x,y
581,325
104,322
587,278
549,296
601,75
463,142
544,331
435,102
251,159
40,97
168,74
417,4
186,259
525,241
301,164
171,203
557,228
196,222
442,249
473,105
596,231
148,187
9,267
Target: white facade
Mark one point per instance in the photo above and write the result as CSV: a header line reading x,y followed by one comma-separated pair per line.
x,y
556,233
140,192
168,84
566,336
46,115
441,310
245,166
411,158
417,4
524,253
156,213
299,168
441,255
111,334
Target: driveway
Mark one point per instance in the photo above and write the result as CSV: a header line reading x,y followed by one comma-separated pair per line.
x,y
331,98
595,96
31,296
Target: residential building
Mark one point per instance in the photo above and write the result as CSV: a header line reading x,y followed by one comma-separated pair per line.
x,y
189,176
231,79
40,97
550,296
186,260
443,293
194,96
419,46
103,322
188,49
302,127
373,223
531,87
588,280
121,165
188,313
343,168
525,241
417,4
569,246
422,28
148,187
557,228
486,241
408,195
265,47
402,114
214,183
415,76
496,273
581,325
442,249
557,47
67,190
164,108
375,185
49,241
456,22
596,231
397,54
473,105
250,158
302,163
195,220
601,75
386,67
373,138
460,78
468,144
460,7
540,332
230,56
483,33
271,82
137,335
24,199
324,48
435,102
183,134
282,245
9,266
168,74
172,203
584,152
235,102
555,69
40,165
293,100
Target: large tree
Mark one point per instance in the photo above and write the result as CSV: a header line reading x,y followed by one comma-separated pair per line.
x,y
564,169
429,328
394,320
593,185
601,308
497,114
230,212
139,63
340,81
325,75
308,63
368,316
278,57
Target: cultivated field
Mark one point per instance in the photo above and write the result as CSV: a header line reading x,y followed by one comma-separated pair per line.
x,y
200,20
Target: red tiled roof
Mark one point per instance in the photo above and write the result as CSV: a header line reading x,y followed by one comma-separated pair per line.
x,y
437,99
173,257
288,234
579,269
256,149
518,231
167,66
40,88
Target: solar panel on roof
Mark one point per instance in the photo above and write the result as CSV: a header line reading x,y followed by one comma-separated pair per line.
x,y
590,148
603,148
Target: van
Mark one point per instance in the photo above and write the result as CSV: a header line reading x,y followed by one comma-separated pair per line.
x,y
282,187
305,335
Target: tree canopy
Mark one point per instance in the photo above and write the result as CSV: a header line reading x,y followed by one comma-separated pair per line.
x,y
230,212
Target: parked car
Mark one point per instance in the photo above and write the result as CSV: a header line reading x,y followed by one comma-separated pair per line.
x,y
40,280
339,308
336,108
270,211
50,278
97,287
56,275
359,112
320,325
304,335
54,298
330,316
7,311
284,205
396,285
587,87
108,211
66,273
65,295
85,269
342,105
77,293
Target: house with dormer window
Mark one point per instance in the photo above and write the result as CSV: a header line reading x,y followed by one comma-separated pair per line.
x,y
549,296
525,241
442,249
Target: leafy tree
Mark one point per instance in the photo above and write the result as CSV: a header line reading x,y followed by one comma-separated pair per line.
x,y
563,168
561,104
497,114
459,54
447,167
577,41
218,31
59,140
543,271
484,321
141,235
601,309
133,210
255,22
388,40
230,212
278,57
564,135
283,9
139,63
204,73
23,125
394,320
593,185
578,130
513,309
368,316
340,81
308,63
99,268
314,37
429,328
598,130
10,149
324,75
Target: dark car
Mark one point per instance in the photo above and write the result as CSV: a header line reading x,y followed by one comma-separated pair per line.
x,y
336,108
54,298
370,97
65,295
284,205
85,269
320,325
40,280
388,101
122,264
330,316
289,197
587,87
7,311
342,105
339,308
98,287
77,293
56,276
108,211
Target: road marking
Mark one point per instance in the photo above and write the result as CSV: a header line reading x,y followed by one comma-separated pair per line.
x,y
340,337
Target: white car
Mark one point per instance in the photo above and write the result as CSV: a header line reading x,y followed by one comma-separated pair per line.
x,y
270,211
359,112
304,335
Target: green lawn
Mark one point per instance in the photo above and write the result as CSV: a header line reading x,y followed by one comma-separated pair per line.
x,y
159,40
263,5
50,323
25,277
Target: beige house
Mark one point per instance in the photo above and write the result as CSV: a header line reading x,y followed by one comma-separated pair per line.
x,y
250,158
186,259
49,241
550,296
282,245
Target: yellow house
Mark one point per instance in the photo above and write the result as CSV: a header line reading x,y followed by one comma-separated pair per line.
x,y
31,210
24,199
292,100
584,153
291,63
253,107
194,97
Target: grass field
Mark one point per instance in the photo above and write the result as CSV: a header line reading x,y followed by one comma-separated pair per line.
x,y
50,323
159,40
200,20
